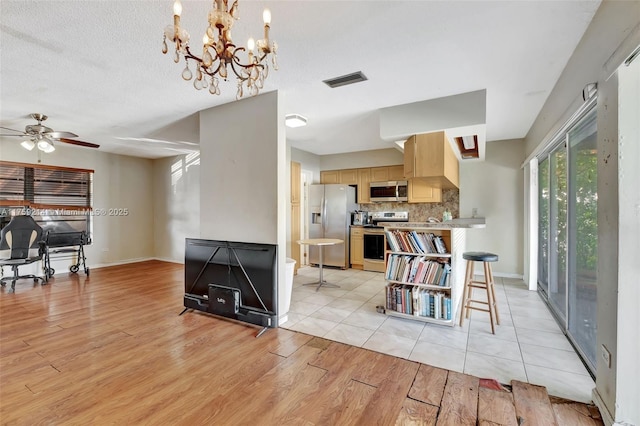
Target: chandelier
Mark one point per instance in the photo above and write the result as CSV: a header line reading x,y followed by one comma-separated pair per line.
x,y
220,55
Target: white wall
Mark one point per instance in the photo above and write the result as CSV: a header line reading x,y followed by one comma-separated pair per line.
x,y
356,160
118,182
308,161
176,204
243,189
495,188
627,388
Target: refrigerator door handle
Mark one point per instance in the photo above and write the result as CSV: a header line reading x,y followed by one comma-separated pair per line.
x,y
324,216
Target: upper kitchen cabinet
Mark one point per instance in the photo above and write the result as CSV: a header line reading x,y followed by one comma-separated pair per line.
x,y
387,173
330,176
295,182
349,177
364,178
429,156
345,177
420,191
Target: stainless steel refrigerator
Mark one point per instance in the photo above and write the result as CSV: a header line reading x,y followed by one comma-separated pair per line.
x,y
330,207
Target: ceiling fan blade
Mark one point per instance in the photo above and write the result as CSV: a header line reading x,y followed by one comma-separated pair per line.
x,y
58,135
80,143
13,130
22,135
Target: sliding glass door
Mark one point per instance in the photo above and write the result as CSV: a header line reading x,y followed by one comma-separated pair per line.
x,y
543,224
557,292
568,234
583,235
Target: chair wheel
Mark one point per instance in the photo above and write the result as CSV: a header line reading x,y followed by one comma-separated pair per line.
x,y
50,272
73,268
86,271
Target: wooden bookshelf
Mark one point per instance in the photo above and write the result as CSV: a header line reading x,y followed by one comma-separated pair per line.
x,y
416,260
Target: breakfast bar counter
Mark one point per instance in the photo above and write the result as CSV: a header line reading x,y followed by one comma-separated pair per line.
x,y
450,224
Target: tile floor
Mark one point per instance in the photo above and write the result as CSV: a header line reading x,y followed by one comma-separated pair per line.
x,y
527,346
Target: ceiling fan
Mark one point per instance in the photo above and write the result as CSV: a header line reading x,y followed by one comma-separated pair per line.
x,y
43,137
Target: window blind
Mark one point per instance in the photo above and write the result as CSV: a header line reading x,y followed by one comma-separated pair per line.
x,y
45,187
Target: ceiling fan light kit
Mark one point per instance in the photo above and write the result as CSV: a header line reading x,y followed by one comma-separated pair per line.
x,y
28,144
219,53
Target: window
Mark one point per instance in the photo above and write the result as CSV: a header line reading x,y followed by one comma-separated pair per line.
x,y
59,198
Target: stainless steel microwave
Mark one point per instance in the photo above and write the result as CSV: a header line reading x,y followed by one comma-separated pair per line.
x,y
394,191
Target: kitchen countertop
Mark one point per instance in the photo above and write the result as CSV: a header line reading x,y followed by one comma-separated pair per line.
x,y
450,224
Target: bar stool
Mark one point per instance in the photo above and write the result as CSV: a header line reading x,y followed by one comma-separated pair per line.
x,y
487,285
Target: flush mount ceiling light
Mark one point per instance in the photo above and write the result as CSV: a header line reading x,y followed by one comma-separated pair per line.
x,y
295,120
220,53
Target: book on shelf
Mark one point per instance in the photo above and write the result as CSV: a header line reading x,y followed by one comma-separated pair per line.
x,y
418,302
416,242
418,269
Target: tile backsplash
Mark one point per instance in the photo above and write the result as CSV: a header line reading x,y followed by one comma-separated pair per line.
x,y
420,212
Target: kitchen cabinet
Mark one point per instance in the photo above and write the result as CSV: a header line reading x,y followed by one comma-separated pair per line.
x,y
357,247
344,177
430,156
349,177
420,191
396,172
379,174
387,173
364,178
330,176
295,182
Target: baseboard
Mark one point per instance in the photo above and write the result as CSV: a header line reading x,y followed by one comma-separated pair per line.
x,y
121,262
607,418
480,272
162,259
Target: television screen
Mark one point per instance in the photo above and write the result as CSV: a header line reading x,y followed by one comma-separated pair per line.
x,y
231,264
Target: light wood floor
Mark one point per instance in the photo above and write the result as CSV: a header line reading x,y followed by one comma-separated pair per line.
x,y
111,349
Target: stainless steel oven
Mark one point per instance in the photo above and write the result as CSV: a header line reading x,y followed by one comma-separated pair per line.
x,y
375,242
374,247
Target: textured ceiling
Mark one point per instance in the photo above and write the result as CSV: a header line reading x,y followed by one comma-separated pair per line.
x,y
96,67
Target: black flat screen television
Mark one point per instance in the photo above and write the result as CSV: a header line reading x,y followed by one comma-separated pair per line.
x,y
248,267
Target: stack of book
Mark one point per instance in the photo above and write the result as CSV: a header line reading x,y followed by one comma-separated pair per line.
x,y
418,302
416,242
418,270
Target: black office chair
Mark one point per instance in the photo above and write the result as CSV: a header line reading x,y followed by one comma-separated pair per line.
x,y
20,236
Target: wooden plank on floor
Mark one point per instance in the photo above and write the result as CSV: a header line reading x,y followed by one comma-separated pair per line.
x,y
574,414
428,385
326,403
416,413
386,403
496,406
532,404
349,406
460,400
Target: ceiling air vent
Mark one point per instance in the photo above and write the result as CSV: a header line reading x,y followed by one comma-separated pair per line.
x,y
355,77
